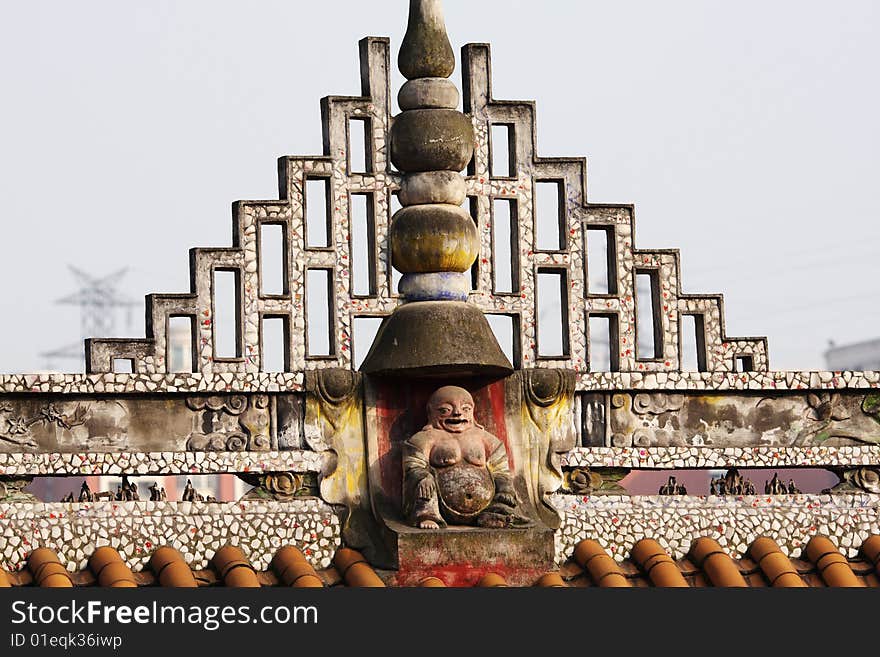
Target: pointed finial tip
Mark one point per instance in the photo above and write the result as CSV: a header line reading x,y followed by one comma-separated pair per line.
x,y
426,51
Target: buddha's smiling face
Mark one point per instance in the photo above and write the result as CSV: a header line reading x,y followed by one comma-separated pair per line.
x,y
451,409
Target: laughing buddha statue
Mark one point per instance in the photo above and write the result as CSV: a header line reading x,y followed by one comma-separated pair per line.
x,y
455,472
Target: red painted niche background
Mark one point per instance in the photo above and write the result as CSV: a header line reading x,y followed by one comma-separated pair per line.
x,y
401,410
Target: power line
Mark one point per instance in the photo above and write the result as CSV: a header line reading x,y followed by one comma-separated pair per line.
x,y
98,299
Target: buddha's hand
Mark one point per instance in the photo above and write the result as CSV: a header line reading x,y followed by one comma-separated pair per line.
x,y
426,489
507,499
504,493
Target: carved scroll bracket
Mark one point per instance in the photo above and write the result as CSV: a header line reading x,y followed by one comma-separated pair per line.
x,y
334,425
549,431
230,423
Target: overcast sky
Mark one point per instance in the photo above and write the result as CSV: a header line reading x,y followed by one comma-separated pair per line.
x,y
745,133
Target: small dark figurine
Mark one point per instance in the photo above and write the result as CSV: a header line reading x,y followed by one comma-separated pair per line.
x,y
672,487
189,493
85,493
68,498
777,487
155,494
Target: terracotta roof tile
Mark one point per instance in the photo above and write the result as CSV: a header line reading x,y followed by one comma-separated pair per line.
x,y
603,570
717,565
871,551
551,580
355,569
293,569
649,566
775,566
47,569
831,564
657,565
760,568
110,570
171,569
432,582
234,568
492,580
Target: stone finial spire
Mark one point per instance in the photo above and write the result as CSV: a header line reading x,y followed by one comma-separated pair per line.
x,y
434,241
426,51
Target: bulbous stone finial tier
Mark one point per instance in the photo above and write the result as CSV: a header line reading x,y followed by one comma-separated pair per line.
x,y
434,241
436,339
426,51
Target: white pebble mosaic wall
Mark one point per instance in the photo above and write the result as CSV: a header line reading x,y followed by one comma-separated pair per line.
x,y
197,529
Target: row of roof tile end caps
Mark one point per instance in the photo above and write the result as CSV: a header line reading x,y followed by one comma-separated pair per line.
x,y
707,564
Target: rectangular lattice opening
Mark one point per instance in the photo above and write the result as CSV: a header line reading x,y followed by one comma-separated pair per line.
x,y
317,209
552,308
359,156
693,343
744,364
170,488
123,366
395,275
550,215
601,261
274,341
649,327
502,150
364,333
505,238
474,208
227,314
506,330
319,313
273,260
363,246
604,353
707,482
180,344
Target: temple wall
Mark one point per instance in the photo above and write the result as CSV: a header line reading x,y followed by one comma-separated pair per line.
x,y
618,522
196,529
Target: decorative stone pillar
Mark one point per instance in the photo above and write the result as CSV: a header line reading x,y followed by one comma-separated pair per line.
x,y
434,241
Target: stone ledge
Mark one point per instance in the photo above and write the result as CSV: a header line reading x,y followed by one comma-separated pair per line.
x,y
617,523
198,530
158,463
720,457
294,382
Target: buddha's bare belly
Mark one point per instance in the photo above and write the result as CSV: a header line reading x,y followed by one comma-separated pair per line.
x,y
464,490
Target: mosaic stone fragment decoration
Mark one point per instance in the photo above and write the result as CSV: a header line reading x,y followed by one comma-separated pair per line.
x,y
719,353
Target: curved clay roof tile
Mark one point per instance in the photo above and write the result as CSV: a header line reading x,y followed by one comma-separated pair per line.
x,y
657,565
601,567
110,570
551,580
355,570
171,570
492,580
777,567
717,565
871,552
292,569
831,564
47,569
234,568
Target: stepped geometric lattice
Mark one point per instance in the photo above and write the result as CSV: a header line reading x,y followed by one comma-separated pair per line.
x,y
506,276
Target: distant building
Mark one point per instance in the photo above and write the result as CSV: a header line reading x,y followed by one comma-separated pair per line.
x,y
860,356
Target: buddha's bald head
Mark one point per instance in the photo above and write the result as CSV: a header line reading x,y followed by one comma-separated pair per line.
x,y
451,409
